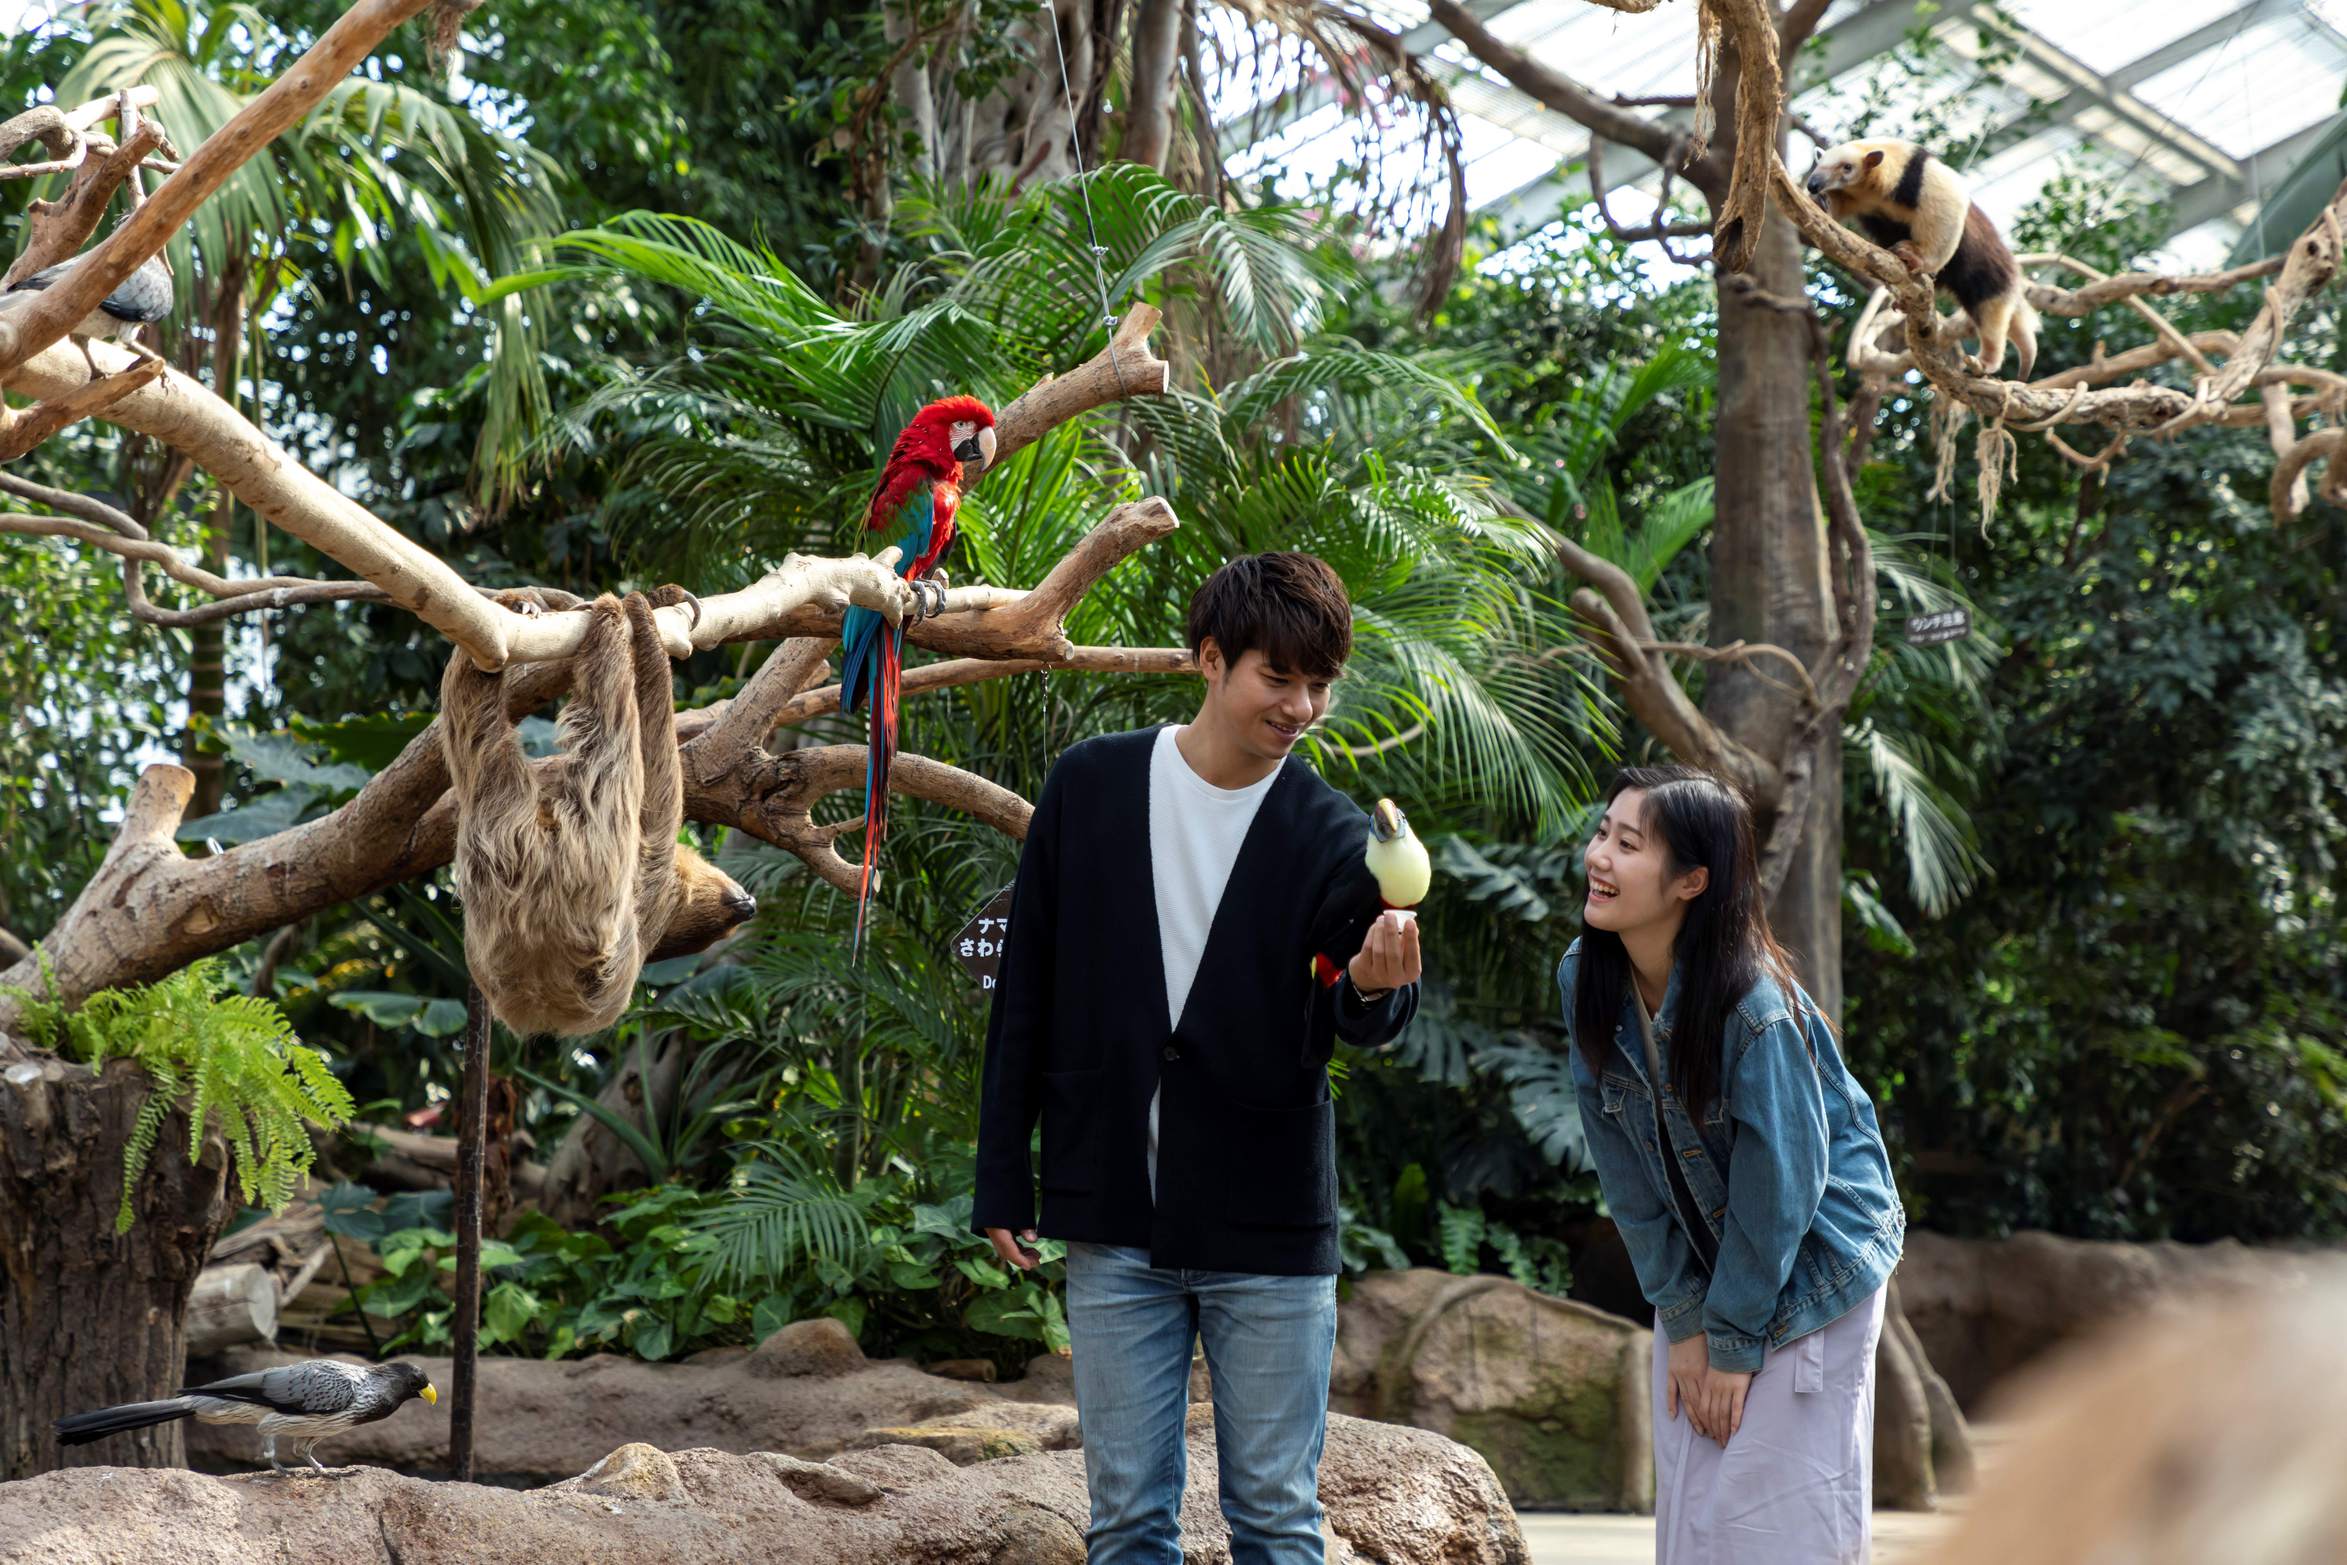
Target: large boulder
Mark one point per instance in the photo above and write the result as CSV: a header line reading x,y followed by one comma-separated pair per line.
x,y
1985,1308
2209,1431
1391,1495
1554,1394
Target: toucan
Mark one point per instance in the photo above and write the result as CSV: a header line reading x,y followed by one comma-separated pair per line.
x,y
1398,862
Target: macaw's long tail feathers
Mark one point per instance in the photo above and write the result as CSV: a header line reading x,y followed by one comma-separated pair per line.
x,y
879,757
856,664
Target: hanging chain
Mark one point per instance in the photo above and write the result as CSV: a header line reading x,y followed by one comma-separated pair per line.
x,y
1067,92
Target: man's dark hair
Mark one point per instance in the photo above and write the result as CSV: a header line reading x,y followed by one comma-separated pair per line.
x,y
1290,607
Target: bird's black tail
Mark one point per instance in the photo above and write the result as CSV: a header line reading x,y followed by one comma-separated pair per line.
x,y
82,1428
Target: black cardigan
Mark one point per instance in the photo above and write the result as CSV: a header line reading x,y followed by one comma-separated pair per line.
x,y
1079,1034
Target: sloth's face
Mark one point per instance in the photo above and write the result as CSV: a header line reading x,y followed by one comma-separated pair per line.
x,y
709,904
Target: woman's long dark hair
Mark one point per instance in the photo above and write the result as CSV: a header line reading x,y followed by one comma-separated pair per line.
x,y
1723,948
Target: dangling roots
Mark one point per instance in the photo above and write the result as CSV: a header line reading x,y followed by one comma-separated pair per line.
x,y
1999,454
1707,53
1947,416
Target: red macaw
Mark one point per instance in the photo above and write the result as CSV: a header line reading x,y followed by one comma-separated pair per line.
x,y
920,489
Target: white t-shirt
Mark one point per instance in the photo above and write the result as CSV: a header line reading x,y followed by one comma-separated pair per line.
x,y
1195,830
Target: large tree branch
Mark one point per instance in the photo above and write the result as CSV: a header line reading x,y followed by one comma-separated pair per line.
x,y
2309,265
1552,89
802,597
276,108
150,909
2288,491
1617,625
1127,367
810,704
1799,24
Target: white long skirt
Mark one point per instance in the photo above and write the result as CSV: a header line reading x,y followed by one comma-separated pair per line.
x,y
1795,1485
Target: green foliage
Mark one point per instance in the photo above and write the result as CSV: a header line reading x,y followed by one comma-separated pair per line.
x,y
230,1061
671,1272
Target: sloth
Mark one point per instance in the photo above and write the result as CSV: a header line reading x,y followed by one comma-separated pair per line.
x,y
569,868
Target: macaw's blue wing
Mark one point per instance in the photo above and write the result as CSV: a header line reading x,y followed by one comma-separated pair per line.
x,y
860,632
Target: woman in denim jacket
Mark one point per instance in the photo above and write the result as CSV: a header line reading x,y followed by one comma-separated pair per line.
x,y
1742,1163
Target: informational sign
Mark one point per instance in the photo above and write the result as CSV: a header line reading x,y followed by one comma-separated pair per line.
x,y
1929,630
979,945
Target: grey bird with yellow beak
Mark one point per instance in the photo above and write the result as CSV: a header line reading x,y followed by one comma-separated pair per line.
x,y
307,1402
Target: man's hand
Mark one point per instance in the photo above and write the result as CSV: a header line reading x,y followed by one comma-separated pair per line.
x,y
1019,1252
1388,958
1683,1376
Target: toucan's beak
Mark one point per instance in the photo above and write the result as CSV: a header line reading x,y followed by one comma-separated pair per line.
x,y
429,1395
1387,821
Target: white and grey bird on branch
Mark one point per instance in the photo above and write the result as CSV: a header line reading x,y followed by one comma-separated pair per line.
x,y
141,299
311,1401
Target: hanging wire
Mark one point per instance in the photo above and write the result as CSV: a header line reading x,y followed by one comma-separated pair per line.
x,y
1067,93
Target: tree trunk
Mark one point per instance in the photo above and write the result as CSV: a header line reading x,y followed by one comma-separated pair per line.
x,y
1021,129
1770,580
88,1317
1149,118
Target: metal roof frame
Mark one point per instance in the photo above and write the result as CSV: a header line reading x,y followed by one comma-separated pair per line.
x,y
1853,37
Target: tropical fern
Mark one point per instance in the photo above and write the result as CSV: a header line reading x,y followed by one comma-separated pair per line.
x,y
232,1061
772,1219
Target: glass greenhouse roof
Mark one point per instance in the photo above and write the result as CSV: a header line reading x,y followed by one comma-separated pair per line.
x,y
2206,103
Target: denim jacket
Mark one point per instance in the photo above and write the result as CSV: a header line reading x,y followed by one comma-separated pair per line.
x,y
1788,1168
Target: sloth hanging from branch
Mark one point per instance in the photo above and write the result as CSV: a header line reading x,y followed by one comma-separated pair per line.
x,y
569,868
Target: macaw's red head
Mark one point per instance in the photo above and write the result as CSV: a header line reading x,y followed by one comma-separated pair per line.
x,y
949,430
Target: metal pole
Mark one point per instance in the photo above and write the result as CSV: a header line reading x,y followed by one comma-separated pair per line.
x,y
472,1133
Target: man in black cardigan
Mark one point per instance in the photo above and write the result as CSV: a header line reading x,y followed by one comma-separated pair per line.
x,y
1156,1008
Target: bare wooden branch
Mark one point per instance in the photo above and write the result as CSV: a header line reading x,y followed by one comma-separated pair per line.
x,y
21,429
2308,266
1551,88
276,108
63,130
773,797
2105,290
741,724
183,414
1127,367
56,230
150,909
245,595
1747,654
1799,23
1619,629
1663,228
2288,490
810,704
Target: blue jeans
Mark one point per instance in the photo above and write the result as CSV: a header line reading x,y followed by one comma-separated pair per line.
x,y
1268,1344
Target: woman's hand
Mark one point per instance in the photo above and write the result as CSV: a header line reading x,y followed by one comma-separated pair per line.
x,y
1689,1362
1721,1396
